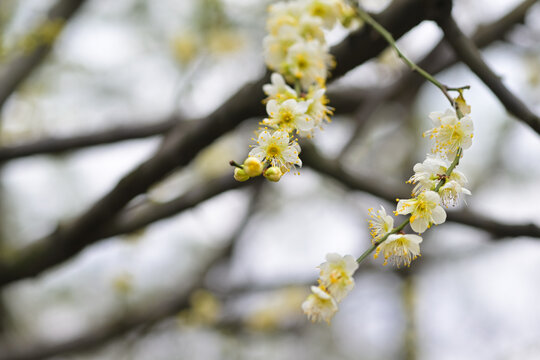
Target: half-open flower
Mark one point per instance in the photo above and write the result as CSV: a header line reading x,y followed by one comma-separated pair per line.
x,y
400,249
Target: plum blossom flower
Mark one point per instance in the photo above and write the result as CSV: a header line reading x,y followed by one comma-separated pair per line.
x,y
428,175
424,209
289,115
450,133
400,249
336,274
307,62
278,89
380,223
277,150
320,305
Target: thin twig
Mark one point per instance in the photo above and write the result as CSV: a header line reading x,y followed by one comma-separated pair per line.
x,y
467,51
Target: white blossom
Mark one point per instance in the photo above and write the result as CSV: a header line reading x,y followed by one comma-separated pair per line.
x,y
380,223
278,89
277,150
307,62
424,209
320,305
400,249
450,133
336,274
289,115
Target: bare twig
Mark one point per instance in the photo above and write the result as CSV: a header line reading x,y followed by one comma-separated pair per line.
x,y
467,51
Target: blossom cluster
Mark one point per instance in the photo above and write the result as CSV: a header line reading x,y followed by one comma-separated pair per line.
x,y
437,185
296,105
335,282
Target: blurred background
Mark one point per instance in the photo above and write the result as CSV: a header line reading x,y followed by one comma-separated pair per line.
x,y
224,277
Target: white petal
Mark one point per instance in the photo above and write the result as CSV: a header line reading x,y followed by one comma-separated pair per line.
x,y
413,238
419,225
291,156
302,106
258,153
438,215
272,107
333,257
305,123
432,197
404,207
264,137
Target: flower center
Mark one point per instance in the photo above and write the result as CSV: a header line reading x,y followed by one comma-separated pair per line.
x,y
272,150
286,116
301,61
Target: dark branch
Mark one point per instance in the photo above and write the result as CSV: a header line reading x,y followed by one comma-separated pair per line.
x,y
17,70
179,147
134,219
467,52
60,145
390,192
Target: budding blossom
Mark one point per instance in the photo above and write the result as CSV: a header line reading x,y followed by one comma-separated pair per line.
x,y
295,48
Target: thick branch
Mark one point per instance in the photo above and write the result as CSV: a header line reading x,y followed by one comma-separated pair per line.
x,y
467,52
13,74
181,146
60,145
390,192
141,216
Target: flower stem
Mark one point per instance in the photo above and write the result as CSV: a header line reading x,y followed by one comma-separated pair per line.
x,y
390,39
235,164
450,169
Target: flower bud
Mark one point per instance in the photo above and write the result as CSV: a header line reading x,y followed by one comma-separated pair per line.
x,y
240,175
253,167
273,174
